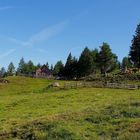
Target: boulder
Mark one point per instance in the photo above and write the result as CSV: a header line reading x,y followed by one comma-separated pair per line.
x,y
56,84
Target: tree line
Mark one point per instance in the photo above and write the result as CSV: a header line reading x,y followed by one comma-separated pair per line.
x,y
90,61
101,60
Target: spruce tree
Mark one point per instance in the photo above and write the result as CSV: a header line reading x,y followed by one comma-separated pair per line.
x,y
59,69
51,67
95,65
67,68
70,70
47,65
38,66
21,66
11,69
30,68
85,63
107,60
135,48
126,63
74,68
2,72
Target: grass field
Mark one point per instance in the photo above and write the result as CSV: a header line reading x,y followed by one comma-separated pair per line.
x,y
30,111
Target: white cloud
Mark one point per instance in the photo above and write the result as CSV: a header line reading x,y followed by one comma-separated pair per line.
x,y
47,33
7,53
41,36
19,42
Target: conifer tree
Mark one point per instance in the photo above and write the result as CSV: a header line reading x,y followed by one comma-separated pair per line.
x,y
11,69
135,48
21,67
58,68
85,63
2,72
67,68
126,63
95,65
30,67
70,70
107,60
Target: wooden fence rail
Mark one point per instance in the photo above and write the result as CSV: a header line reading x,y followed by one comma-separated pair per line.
x,y
74,85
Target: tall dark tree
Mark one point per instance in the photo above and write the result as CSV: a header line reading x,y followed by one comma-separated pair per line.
x,y
22,66
85,63
70,70
59,69
95,65
30,68
51,67
67,68
2,72
38,66
74,68
107,60
135,48
11,69
126,63
47,65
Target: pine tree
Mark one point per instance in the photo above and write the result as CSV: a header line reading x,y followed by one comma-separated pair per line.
x,y
107,60
11,69
67,68
74,68
135,48
47,65
95,65
70,70
51,67
38,66
85,63
22,66
30,68
126,63
59,69
2,72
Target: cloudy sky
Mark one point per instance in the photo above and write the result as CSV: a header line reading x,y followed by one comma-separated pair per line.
x,y
47,30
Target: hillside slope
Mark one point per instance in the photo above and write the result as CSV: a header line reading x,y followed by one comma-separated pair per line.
x,y
27,111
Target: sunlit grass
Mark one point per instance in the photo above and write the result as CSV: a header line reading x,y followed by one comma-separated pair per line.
x,y
85,113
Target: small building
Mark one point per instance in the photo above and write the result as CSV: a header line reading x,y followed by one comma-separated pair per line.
x,y
43,72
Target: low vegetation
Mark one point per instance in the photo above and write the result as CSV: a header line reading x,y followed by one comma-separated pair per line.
x,y
115,78
31,111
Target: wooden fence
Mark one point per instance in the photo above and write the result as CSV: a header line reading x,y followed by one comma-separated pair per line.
x,y
74,85
122,86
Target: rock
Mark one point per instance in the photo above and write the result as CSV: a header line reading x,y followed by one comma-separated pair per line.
x,y
56,84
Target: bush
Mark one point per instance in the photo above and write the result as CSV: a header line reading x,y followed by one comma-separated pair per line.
x,y
113,78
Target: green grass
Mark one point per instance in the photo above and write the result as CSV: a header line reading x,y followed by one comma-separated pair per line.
x,y
29,111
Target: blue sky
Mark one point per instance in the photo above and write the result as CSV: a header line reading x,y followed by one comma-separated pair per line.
x,y
47,30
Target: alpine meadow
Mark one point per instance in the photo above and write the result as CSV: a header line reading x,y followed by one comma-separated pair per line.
x,y
69,70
